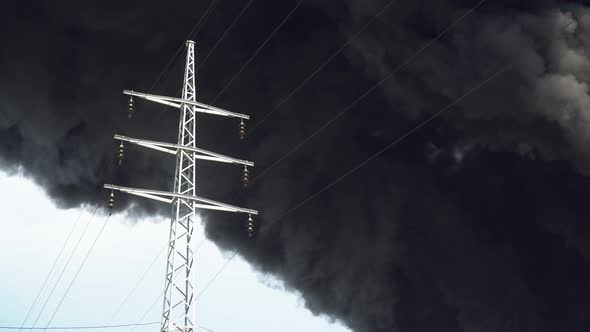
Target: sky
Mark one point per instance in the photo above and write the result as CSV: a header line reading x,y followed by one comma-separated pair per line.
x,y
33,231
420,165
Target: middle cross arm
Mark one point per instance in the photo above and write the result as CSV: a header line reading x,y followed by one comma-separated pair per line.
x,y
168,197
174,148
177,102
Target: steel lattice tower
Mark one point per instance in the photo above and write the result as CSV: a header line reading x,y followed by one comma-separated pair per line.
x,y
179,290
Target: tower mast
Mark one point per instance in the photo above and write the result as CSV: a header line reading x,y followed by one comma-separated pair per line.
x,y
179,290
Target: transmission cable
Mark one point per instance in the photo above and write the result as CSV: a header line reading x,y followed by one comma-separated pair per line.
x,y
77,327
320,67
65,267
79,269
225,33
362,96
53,266
216,275
90,327
257,50
369,91
143,277
396,141
136,286
149,309
197,28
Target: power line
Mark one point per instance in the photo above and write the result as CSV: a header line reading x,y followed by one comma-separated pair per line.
x,y
159,296
89,327
320,67
143,277
148,310
495,74
65,267
194,70
52,267
369,91
390,145
79,269
136,285
195,27
469,92
77,327
257,50
356,168
216,275
264,172
401,138
225,33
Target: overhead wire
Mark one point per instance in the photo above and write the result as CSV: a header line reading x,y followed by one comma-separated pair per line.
x,y
216,275
369,91
197,28
143,277
305,81
90,327
390,145
64,268
320,67
136,286
260,47
158,78
52,267
78,327
219,40
79,269
149,309
225,33
351,171
409,60
396,141
475,88
161,294
383,150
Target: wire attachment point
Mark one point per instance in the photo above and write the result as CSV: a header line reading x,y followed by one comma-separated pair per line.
x,y
250,226
130,109
242,129
121,153
245,176
111,202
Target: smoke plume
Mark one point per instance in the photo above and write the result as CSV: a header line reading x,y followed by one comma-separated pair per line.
x,y
475,222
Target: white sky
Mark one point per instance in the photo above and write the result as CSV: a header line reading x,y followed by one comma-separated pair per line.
x,y
33,230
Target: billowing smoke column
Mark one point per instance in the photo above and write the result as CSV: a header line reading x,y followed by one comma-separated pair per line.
x,y
476,222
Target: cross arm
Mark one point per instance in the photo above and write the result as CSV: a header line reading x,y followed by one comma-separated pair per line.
x,y
174,148
177,102
169,197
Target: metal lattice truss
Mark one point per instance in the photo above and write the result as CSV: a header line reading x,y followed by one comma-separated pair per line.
x,y
179,310
175,149
169,197
179,102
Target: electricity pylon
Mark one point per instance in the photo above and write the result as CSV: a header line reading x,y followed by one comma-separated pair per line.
x,y
179,296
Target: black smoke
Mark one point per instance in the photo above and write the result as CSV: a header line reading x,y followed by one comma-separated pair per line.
x,y
476,222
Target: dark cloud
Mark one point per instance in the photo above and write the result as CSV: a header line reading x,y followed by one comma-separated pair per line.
x,y
477,222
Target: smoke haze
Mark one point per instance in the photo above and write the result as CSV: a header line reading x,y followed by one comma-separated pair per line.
x,y
476,222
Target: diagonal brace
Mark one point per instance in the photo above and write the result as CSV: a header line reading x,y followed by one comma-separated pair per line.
x,y
175,148
169,197
178,102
